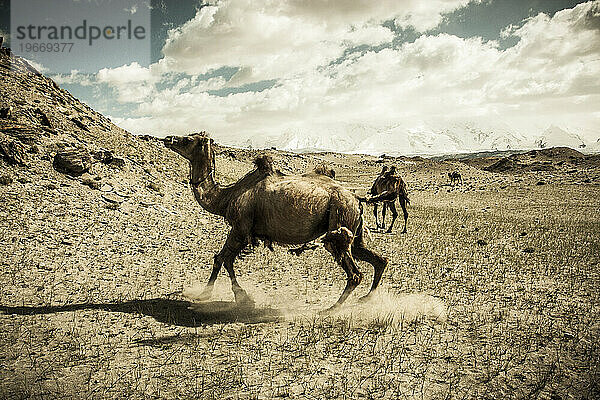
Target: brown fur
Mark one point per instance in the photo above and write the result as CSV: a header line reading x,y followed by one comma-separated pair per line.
x,y
274,207
264,164
319,171
454,177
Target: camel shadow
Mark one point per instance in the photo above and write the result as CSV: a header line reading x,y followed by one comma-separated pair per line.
x,y
172,312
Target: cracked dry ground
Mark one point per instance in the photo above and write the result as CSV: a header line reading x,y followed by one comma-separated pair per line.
x,y
88,309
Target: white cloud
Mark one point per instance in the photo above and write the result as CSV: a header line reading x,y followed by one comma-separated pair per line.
x,y
549,76
133,72
132,82
421,15
74,78
285,38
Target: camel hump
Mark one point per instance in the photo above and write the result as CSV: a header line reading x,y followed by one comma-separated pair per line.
x,y
264,164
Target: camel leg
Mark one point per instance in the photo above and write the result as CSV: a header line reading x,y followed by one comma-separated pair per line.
x,y
207,292
354,277
338,244
383,215
392,207
376,215
361,253
233,245
405,212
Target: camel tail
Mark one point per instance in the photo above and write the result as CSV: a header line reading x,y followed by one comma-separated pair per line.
x,y
388,195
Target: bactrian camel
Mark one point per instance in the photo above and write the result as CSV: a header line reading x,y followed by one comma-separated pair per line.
x,y
285,209
454,177
387,188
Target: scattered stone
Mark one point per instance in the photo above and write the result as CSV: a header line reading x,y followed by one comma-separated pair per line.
x,y
103,155
482,242
6,112
12,150
42,117
106,188
112,206
5,180
91,183
528,250
118,162
72,161
25,134
154,186
108,158
122,194
79,124
540,183
112,198
523,234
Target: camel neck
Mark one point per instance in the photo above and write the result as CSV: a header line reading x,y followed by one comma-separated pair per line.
x,y
207,192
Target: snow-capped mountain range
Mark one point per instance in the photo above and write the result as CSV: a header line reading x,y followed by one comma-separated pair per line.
x,y
424,138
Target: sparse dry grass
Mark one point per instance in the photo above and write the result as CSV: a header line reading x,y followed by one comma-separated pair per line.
x,y
87,312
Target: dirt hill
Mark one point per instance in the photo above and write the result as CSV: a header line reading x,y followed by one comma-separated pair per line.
x,y
551,159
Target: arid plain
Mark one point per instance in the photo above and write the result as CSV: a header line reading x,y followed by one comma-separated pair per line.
x,y
492,293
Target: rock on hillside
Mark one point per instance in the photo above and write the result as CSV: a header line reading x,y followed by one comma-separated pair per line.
x,y
40,120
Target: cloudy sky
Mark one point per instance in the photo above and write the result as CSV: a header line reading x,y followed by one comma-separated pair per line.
x,y
247,68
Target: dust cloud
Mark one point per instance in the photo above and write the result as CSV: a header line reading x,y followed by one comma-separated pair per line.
x,y
384,308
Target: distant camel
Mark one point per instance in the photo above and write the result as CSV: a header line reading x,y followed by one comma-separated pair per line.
x,y
454,177
286,209
387,188
323,170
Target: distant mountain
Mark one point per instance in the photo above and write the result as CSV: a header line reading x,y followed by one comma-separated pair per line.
x,y
432,137
555,136
414,137
343,138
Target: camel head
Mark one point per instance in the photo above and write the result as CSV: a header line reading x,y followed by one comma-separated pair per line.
x,y
197,148
192,147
